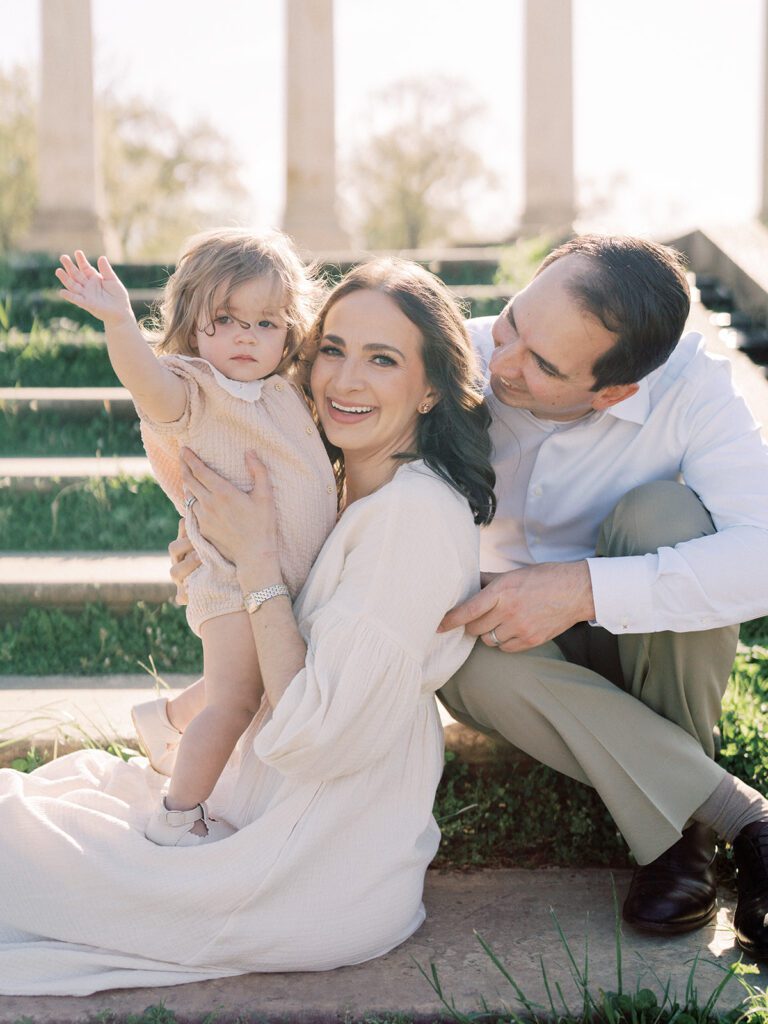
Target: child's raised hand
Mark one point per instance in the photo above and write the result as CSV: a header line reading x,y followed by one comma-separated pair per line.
x,y
99,291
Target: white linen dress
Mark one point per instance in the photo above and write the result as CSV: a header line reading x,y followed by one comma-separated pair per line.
x,y
332,792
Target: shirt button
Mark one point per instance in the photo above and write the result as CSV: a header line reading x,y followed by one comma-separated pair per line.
x,y
537,491
278,386
625,625
309,430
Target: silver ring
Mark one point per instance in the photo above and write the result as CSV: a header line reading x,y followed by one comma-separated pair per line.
x,y
492,635
189,502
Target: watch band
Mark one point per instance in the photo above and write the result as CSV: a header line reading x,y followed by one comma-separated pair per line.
x,y
256,598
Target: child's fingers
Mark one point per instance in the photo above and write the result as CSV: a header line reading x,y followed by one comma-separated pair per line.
x,y
105,269
83,264
70,268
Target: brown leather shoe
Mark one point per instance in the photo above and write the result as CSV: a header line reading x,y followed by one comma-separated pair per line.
x,y
750,852
676,892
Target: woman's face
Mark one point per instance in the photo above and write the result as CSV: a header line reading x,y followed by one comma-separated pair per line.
x,y
368,377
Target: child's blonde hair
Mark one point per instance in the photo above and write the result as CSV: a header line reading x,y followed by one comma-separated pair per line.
x,y
211,267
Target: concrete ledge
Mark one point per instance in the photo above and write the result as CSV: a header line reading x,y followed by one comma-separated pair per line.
x,y
57,713
41,474
67,580
737,255
76,403
511,909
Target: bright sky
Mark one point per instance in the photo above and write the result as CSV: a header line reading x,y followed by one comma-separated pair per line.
x,y
668,93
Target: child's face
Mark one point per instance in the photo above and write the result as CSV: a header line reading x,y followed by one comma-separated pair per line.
x,y
246,339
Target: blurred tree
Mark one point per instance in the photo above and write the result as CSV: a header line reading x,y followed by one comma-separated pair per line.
x,y
411,179
18,152
162,181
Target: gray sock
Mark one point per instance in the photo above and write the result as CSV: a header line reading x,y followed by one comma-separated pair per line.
x,y
733,805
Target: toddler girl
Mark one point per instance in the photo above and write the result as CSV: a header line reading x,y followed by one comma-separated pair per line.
x,y
232,321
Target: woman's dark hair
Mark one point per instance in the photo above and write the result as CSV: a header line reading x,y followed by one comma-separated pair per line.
x,y
637,290
452,438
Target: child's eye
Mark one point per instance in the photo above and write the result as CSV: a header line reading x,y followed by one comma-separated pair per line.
x,y
222,319
266,323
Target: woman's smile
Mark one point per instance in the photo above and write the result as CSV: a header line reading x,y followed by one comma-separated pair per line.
x,y
345,413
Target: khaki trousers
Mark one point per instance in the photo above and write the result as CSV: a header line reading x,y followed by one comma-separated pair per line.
x,y
632,716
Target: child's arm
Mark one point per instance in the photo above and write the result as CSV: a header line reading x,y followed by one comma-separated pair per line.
x,y
158,391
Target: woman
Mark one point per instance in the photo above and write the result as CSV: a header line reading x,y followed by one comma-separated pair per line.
x,y
333,790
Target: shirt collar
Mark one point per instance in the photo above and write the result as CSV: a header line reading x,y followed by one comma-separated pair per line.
x,y
247,391
635,409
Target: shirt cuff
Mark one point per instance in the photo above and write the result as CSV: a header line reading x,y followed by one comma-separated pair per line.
x,y
622,590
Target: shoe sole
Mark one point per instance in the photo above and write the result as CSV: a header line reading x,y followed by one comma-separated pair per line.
x,y
751,952
143,748
672,927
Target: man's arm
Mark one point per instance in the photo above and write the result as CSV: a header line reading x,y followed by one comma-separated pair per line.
x,y
708,581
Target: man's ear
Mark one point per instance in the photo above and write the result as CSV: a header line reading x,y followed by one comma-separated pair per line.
x,y
612,395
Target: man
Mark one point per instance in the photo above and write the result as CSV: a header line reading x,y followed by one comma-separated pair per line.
x,y
613,594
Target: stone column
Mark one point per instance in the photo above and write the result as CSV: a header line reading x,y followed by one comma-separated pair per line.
x,y
310,180
764,167
548,97
69,198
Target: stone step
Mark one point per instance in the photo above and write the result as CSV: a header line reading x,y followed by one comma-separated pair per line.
x,y
65,711
75,579
39,474
77,403
517,912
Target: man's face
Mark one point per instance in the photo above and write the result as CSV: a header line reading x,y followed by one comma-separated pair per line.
x,y
546,346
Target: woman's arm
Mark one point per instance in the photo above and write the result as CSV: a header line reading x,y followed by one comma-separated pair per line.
x,y
345,700
160,393
243,528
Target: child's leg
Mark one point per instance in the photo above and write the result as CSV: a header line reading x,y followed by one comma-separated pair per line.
x,y
233,692
188,705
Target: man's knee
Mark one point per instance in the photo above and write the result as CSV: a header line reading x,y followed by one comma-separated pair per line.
x,y
655,515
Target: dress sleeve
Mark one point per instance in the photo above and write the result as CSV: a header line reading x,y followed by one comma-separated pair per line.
x,y
411,556
180,425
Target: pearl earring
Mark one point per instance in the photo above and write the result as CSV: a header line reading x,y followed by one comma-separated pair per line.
x,y
424,408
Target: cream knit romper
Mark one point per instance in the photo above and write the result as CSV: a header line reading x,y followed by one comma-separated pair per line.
x,y
224,419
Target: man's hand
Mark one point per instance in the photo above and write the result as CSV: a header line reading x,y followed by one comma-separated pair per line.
x,y
527,607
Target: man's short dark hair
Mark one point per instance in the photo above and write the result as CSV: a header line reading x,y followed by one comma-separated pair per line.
x,y
638,291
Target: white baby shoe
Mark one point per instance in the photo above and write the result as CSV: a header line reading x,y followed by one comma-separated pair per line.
x,y
174,828
157,737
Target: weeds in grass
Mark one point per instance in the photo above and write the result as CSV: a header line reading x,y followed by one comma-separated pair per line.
x,y
92,640
100,514
598,1006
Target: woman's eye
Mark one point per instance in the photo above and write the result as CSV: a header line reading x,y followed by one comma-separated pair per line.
x,y
384,360
330,350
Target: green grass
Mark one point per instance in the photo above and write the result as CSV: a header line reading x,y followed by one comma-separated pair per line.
x,y
100,514
94,641
59,356
47,433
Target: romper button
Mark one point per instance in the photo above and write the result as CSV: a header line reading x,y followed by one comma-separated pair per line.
x,y
309,430
278,387
330,488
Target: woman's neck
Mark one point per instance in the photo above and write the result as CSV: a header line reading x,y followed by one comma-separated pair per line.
x,y
366,475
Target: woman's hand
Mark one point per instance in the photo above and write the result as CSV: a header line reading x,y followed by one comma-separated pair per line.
x,y
242,527
184,560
